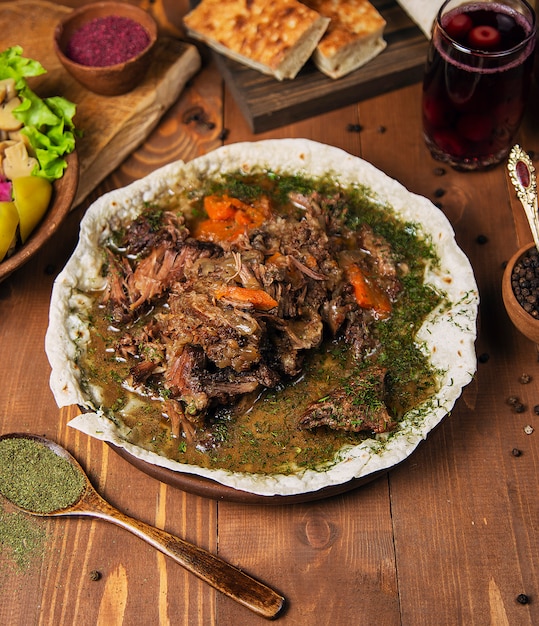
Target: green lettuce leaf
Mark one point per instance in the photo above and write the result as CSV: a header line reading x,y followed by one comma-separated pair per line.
x,y
13,65
48,124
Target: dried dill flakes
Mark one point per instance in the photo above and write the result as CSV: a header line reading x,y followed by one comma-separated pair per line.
x,y
22,539
34,477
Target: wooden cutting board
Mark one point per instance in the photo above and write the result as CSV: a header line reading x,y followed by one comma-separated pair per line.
x,y
112,127
267,103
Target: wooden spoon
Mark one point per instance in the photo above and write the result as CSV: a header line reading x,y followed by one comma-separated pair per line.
x,y
218,573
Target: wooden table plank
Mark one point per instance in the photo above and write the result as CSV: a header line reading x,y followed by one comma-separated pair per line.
x,y
449,537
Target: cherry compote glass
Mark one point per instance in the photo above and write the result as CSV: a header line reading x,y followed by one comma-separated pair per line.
x,y
477,80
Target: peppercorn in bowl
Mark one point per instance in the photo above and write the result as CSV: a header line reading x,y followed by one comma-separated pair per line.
x,y
520,291
106,46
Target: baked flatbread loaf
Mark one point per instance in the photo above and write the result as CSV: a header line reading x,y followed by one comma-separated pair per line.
x,y
275,37
354,35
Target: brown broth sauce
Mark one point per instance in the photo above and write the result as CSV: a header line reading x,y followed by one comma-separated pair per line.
x,y
260,434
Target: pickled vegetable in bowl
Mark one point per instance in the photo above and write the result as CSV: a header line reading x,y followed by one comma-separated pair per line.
x,y
31,197
64,190
35,136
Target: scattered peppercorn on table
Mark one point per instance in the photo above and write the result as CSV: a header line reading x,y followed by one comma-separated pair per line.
x,y
447,537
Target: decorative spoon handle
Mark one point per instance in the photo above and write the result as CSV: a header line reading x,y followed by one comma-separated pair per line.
x,y
524,179
218,573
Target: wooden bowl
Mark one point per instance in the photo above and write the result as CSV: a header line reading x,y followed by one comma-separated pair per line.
x,y
524,321
63,194
111,80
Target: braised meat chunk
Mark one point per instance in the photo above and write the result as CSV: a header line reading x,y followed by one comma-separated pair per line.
x,y
358,405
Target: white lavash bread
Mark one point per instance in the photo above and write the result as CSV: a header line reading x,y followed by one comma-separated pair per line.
x,y
422,12
275,37
354,35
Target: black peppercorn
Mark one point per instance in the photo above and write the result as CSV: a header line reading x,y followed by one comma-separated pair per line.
x,y
525,282
483,358
522,598
95,575
516,452
482,239
223,134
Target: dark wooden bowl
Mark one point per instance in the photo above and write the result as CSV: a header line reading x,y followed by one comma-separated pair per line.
x,y
63,194
526,323
112,80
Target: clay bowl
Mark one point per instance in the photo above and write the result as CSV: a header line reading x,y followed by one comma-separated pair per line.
x,y
111,80
524,321
63,194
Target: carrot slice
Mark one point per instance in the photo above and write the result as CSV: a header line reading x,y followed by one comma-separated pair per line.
x,y
228,217
217,230
221,208
256,297
367,293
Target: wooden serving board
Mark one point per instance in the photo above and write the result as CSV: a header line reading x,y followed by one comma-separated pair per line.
x,y
111,127
267,103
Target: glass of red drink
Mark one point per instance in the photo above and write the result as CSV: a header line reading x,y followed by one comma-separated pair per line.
x,y
477,79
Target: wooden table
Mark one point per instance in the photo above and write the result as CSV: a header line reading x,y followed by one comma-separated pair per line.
x,y
451,536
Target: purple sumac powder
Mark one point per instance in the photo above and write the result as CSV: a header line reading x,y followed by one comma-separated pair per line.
x,y
107,41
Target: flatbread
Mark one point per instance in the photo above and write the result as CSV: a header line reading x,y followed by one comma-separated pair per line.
x,y
354,35
275,37
449,334
423,12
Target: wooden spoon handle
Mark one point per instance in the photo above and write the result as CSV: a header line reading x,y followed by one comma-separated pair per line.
x,y
218,573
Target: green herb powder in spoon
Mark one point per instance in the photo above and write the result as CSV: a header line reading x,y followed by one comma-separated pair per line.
x,y
35,478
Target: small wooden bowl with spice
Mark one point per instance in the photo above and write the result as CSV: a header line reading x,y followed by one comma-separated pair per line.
x,y
520,291
106,46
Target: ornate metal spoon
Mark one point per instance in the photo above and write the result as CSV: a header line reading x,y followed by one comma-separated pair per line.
x,y
524,179
219,574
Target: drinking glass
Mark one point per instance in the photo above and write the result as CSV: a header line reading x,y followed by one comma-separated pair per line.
x,y
477,79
